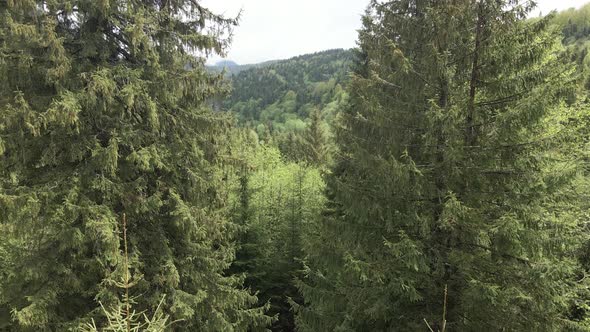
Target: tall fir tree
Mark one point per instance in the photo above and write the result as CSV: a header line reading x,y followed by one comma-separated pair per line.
x,y
449,177
318,145
103,111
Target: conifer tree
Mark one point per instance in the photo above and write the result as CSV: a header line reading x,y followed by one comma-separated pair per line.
x,y
276,202
318,146
449,177
123,318
103,111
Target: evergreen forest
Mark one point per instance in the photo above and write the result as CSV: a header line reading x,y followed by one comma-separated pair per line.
x,y
434,178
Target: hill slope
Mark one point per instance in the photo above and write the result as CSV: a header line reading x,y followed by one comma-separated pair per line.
x,y
280,96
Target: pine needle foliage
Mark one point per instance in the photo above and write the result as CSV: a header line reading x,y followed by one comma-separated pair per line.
x,y
452,171
278,205
118,320
122,318
103,111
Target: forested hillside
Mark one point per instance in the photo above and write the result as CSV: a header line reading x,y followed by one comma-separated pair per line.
x,y
233,68
278,99
433,179
575,27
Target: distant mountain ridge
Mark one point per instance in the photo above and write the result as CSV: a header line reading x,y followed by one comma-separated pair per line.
x,y
269,81
226,63
233,68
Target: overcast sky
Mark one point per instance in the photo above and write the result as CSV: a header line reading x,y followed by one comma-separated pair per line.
x,y
280,29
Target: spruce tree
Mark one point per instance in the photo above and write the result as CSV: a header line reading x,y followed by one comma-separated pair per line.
x,y
277,202
103,111
318,147
449,177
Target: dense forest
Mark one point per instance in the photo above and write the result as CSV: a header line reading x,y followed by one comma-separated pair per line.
x,y
280,99
435,178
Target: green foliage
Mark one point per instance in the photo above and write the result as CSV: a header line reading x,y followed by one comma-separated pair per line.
x,y
118,321
122,317
278,204
278,99
453,172
575,24
461,169
575,28
102,112
311,78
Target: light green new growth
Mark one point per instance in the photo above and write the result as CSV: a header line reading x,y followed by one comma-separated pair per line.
x,y
122,318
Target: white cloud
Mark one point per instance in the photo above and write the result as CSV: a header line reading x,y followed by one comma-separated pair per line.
x,y
279,29
545,6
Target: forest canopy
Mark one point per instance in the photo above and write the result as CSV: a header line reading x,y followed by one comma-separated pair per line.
x,y
434,178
